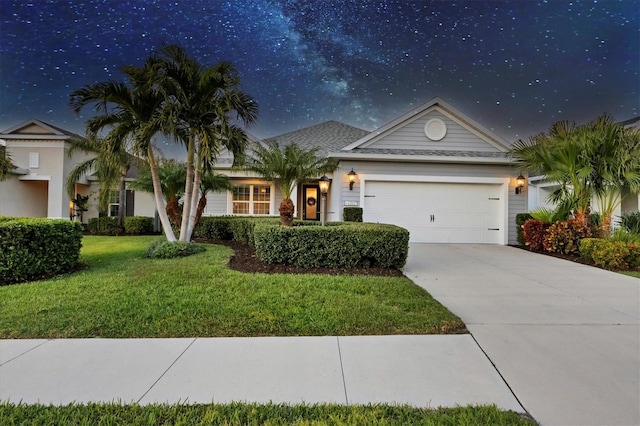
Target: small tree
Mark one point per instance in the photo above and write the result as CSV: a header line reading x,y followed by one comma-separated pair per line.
x,y
287,167
5,163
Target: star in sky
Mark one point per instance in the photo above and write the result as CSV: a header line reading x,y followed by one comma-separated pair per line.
x,y
514,66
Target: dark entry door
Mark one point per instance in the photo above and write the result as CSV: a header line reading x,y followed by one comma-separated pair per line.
x,y
311,202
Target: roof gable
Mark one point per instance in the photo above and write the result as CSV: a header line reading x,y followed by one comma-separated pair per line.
x,y
434,126
35,129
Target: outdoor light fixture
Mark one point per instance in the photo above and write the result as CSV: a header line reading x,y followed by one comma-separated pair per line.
x,y
352,178
324,183
519,183
71,208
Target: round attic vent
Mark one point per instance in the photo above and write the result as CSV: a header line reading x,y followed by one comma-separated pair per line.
x,y
435,129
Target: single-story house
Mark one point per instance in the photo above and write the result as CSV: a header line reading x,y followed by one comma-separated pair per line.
x,y
433,170
36,187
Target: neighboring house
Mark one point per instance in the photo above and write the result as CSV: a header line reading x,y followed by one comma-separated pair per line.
x,y
540,189
40,152
434,171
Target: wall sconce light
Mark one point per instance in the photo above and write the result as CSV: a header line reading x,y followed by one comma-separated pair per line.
x,y
324,183
71,210
519,183
352,178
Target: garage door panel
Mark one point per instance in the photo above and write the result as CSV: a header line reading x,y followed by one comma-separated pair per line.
x,y
437,212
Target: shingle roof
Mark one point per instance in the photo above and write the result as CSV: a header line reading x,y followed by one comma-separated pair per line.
x,y
327,137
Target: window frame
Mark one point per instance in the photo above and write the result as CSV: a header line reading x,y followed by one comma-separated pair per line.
x,y
251,202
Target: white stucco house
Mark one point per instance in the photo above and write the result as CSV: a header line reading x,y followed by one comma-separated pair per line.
x,y
36,187
433,170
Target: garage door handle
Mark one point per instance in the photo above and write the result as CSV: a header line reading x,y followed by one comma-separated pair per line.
x,y
493,229
432,218
369,196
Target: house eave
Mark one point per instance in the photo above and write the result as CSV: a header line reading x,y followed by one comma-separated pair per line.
x,y
420,158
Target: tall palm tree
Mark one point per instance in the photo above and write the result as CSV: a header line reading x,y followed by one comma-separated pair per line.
x,y
201,105
129,112
287,167
110,164
599,158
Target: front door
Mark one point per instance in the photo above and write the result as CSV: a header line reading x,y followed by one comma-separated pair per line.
x,y
310,202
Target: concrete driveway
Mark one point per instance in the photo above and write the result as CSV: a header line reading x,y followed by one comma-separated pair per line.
x,y
564,336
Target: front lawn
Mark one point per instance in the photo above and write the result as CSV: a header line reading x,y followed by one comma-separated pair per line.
x,y
122,294
255,414
631,273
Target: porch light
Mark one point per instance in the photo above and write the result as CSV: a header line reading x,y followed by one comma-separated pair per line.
x,y
324,183
71,210
519,183
352,178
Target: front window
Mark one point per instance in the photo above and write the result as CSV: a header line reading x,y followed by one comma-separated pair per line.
x,y
251,199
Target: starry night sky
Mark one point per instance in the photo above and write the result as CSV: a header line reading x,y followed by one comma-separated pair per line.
x,y
514,66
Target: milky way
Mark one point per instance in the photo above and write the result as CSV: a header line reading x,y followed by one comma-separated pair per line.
x,y
515,67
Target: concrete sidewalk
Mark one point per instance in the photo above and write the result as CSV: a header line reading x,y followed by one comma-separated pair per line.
x,y
417,370
565,336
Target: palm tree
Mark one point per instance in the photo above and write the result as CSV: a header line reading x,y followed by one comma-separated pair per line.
x,y
287,167
110,164
201,104
173,175
130,114
600,158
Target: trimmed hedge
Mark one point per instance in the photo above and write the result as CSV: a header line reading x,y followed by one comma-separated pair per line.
x,y
338,245
611,254
352,214
138,225
235,228
103,225
35,248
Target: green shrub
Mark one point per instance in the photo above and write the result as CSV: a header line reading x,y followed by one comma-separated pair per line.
x,y
631,222
7,218
533,231
352,214
103,225
621,234
163,249
337,245
213,228
611,254
138,225
521,218
564,237
34,248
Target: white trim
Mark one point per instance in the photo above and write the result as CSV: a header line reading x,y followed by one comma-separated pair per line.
x,y
504,182
35,136
419,158
30,123
37,144
251,183
34,177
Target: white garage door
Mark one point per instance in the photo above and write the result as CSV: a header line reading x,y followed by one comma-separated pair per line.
x,y
438,212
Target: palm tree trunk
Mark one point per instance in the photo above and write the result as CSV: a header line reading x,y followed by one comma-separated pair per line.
x,y
286,212
202,204
157,193
173,210
194,202
188,189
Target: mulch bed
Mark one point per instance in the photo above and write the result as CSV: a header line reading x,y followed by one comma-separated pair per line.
x,y
244,259
570,257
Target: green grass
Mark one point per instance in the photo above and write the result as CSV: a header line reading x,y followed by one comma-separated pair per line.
x,y
123,294
254,414
631,273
